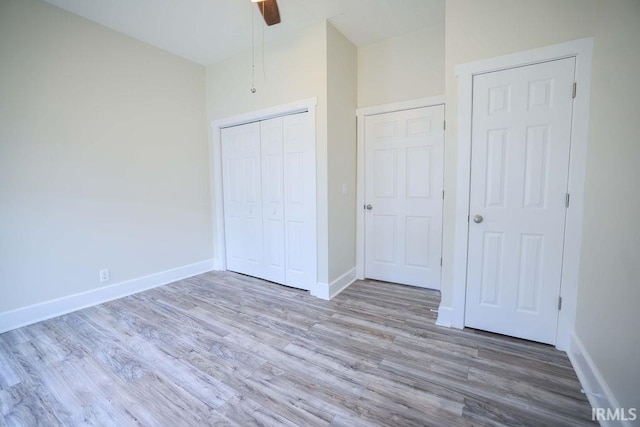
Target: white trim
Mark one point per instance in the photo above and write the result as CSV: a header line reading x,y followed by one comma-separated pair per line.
x,y
266,113
582,51
591,380
327,292
320,290
57,307
444,316
361,114
342,283
400,106
220,255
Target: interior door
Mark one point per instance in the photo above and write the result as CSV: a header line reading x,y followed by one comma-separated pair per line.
x,y
241,168
519,173
273,200
404,155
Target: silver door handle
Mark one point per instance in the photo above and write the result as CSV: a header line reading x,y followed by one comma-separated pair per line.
x,y
478,219
368,207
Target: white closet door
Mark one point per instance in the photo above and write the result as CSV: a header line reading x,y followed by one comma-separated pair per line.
x,y
243,198
269,185
519,170
273,200
404,160
300,200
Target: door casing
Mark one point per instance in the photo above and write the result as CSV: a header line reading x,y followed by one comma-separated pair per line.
x,y
452,314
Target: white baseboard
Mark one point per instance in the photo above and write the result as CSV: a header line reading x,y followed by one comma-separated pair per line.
x,y
445,316
342,283
328,291
46,310
320,290
592,381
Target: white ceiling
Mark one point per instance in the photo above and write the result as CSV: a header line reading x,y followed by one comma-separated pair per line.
x,y
206,31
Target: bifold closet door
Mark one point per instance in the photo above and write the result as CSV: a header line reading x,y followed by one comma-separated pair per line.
x,y
272,200
242,187
299,150
269,185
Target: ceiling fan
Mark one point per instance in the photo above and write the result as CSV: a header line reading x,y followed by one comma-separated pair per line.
x,y
269,10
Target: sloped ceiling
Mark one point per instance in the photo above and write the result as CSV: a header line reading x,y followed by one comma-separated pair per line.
x,y
207,31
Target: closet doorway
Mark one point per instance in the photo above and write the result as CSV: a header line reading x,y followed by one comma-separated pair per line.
x,y
268,184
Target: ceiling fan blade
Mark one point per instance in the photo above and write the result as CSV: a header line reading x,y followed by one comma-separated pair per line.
x,y
270,12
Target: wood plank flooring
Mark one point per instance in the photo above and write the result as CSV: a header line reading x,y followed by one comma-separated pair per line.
x,y
226,349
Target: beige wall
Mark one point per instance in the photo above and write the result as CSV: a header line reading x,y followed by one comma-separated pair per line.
x,y
341,145
401,68
294,69
102,156
484,29
608,317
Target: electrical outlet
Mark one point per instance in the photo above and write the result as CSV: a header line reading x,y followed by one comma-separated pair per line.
x,y
104,275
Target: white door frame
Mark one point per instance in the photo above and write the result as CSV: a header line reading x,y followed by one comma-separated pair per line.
x,y
361,114
217,208
582,50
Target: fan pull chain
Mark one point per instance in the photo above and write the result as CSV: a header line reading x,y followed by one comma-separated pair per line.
x,y
253,54
264,71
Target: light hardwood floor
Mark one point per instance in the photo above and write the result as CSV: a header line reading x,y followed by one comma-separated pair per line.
x,y
225,349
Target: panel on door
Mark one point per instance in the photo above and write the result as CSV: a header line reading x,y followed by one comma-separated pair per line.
x,y
519,170
273,200
404,155
242,175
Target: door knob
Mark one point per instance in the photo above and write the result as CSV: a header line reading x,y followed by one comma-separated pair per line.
x,y
478,219
368,207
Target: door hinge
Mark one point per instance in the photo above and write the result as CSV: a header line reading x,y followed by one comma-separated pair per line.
x,y
440,262
444,124
575,90
567,200
559,303
468,218
442,194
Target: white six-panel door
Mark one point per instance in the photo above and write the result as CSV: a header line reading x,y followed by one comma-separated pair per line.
x,y
269,187
404,153
519,170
